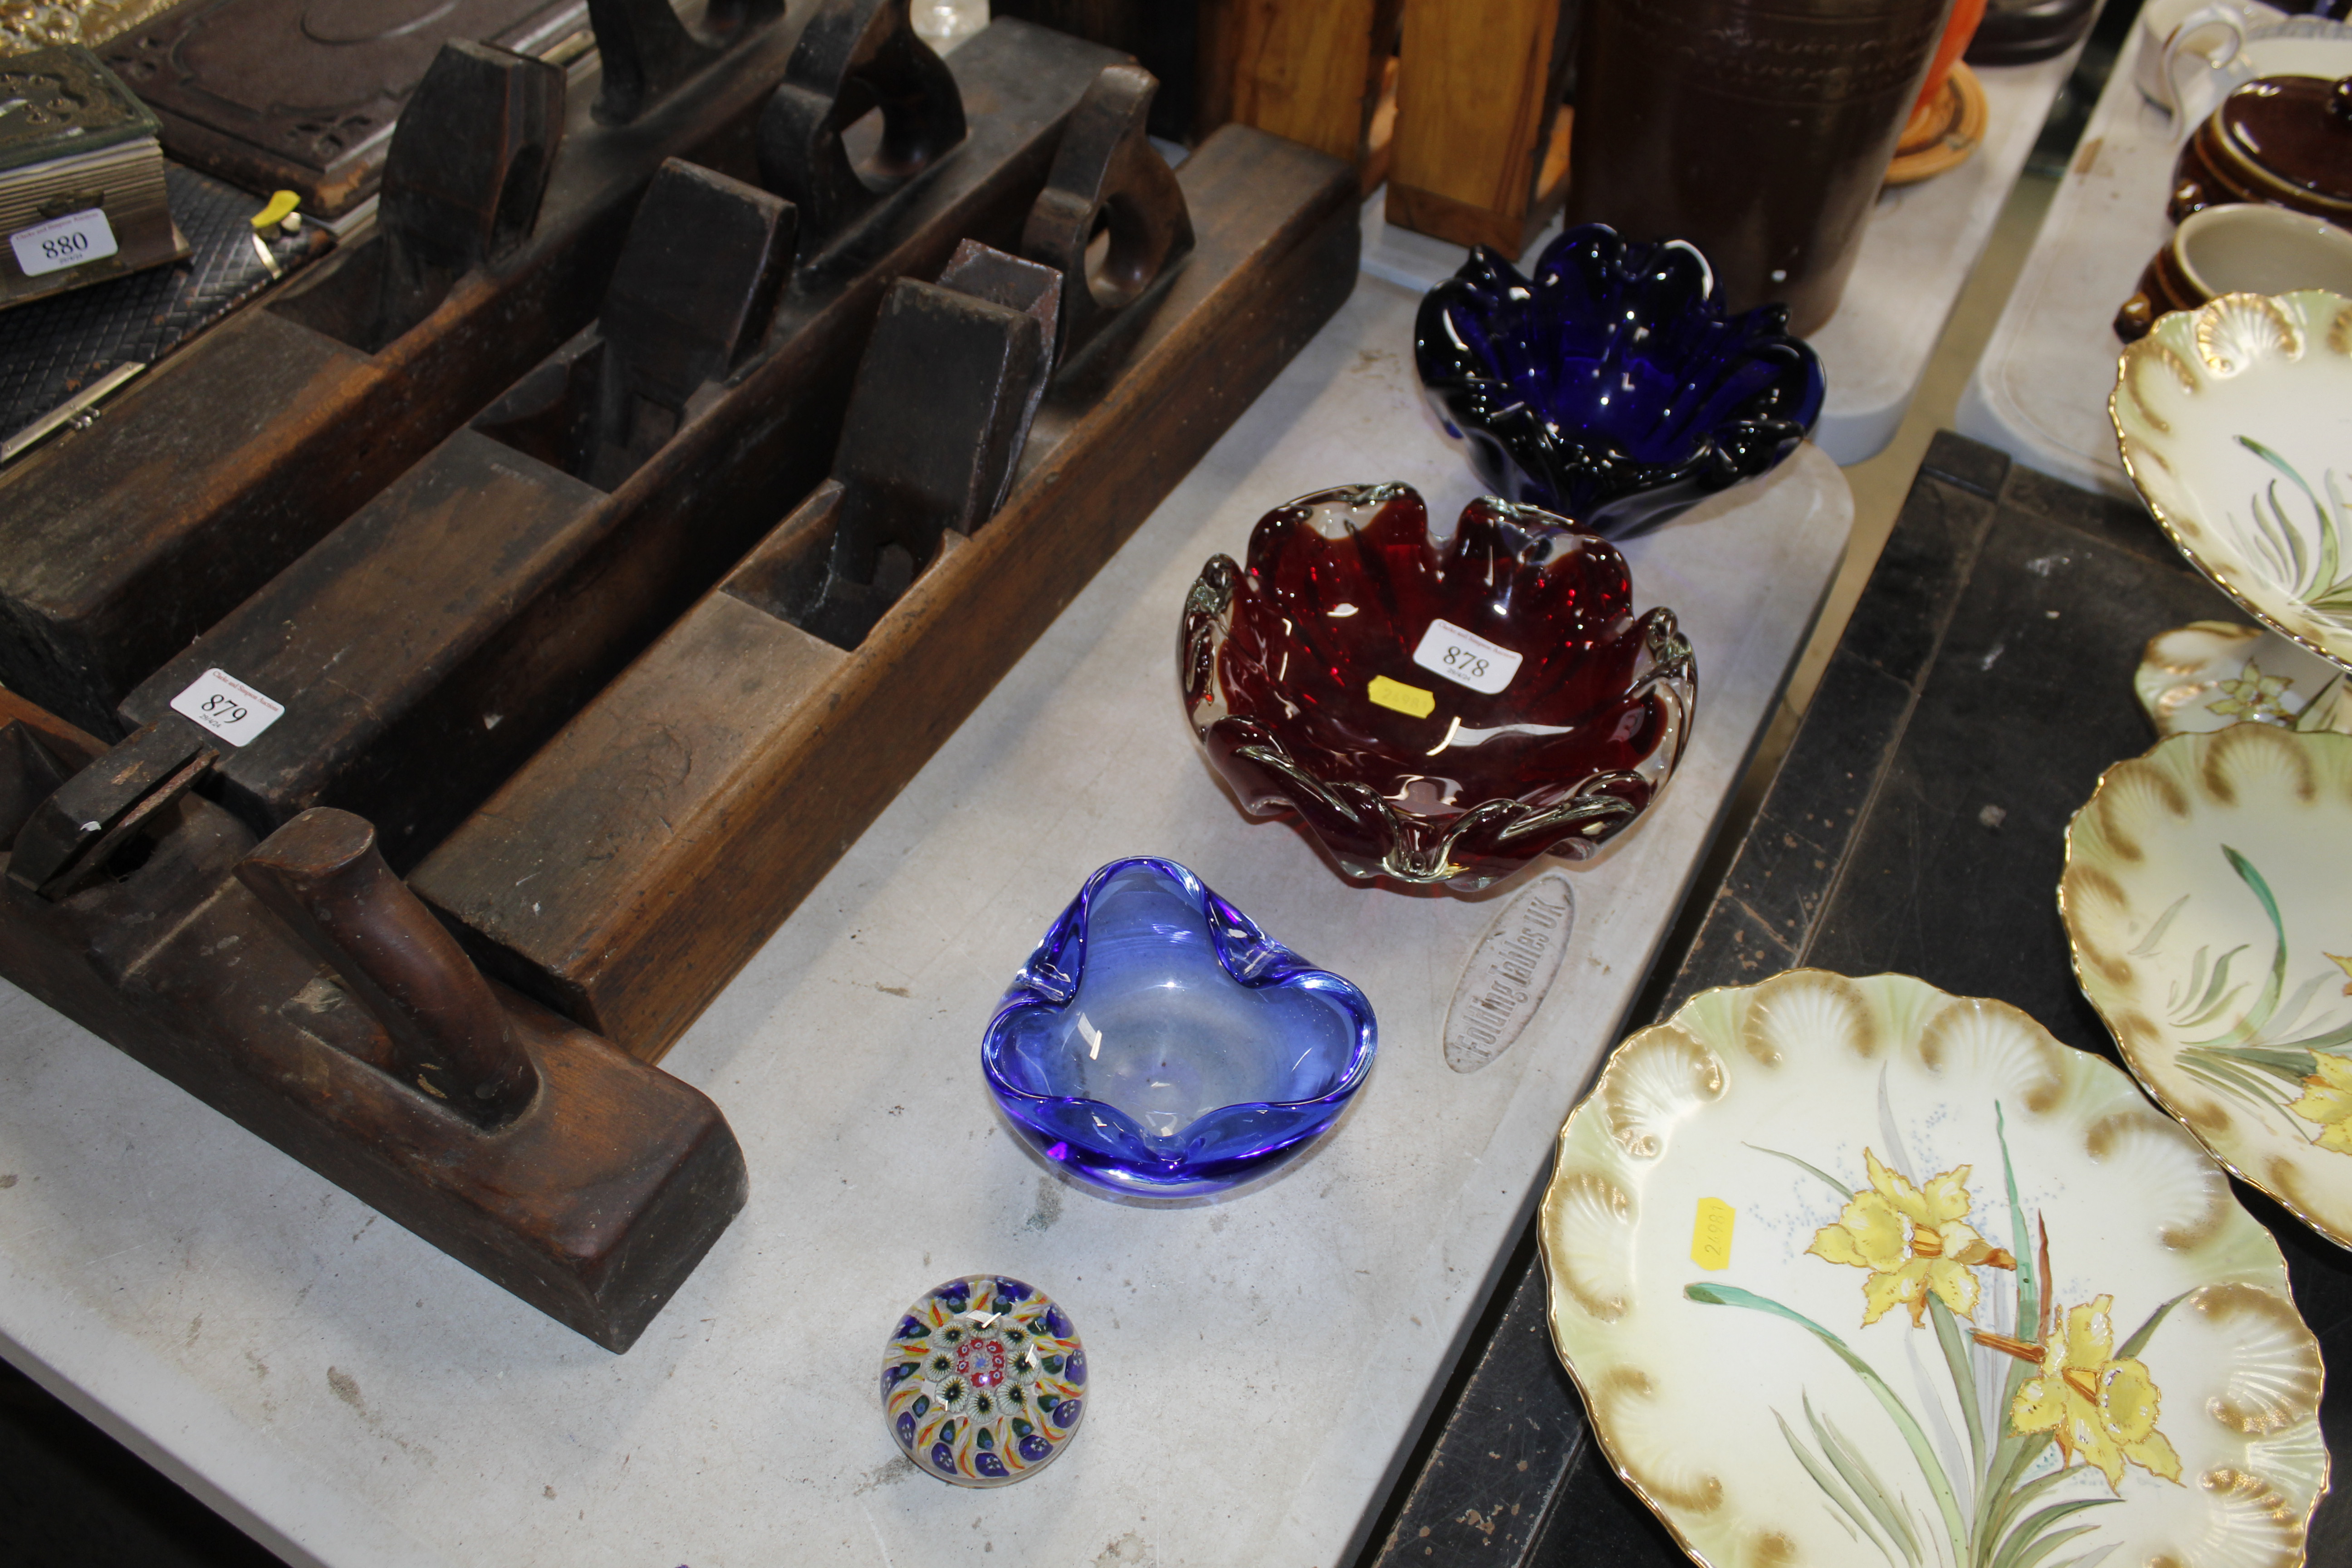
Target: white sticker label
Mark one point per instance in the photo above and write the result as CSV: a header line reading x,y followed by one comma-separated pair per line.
x,y
63,242
227,707
1465,658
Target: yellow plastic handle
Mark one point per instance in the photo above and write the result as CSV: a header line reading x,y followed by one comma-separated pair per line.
x,y
282,206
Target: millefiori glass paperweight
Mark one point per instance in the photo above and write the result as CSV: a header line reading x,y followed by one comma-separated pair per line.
x,y
1611,387
1435,711
984,1382
1160,1045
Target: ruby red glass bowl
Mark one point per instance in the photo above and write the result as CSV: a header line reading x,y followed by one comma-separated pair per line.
x,y
1435,709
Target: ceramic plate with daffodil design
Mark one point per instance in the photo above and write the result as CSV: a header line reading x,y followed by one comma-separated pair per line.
x,y
2209,675
2234,422
1856,1272
2208,894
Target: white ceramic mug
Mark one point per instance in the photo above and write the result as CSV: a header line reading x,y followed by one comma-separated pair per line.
x,y
2209,55
2202,62
2202,26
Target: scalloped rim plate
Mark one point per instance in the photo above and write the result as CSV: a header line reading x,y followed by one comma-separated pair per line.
x,y
2224,1010
1751,1179
2229,417
2209,675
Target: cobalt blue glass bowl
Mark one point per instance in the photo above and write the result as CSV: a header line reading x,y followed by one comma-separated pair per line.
x,y
1160,1045
1611,388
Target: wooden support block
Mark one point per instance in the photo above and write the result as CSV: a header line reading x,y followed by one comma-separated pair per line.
x,y
941,408
352,1033
213,471
1316,73
467,172
648,849
856,59
690,300
426,648
1107,179
67,838
1481,148
1035,292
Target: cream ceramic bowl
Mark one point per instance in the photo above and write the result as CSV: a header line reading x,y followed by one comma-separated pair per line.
x,y
2209,675
2245,249
2239,248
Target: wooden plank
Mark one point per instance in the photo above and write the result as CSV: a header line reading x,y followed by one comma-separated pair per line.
x,y
430,643
616,936
1306,71
1479,157
750,756
1312,73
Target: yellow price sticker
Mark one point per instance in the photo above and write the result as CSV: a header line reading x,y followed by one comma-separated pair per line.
x,y
1404,698
1711,1235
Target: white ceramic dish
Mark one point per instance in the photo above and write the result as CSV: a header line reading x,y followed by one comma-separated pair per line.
x,y
2235,423
2207,56
2201,26
2298,46
2209,675
1760,1194
2205,898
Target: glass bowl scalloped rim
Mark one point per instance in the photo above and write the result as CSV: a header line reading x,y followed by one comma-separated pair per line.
x,y
1617,493
1247,956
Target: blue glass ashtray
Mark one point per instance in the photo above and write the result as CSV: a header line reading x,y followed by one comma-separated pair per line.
x,y
1611,388
1160,1045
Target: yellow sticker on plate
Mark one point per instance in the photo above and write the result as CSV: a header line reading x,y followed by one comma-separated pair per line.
x,y
1711,1236
1405,699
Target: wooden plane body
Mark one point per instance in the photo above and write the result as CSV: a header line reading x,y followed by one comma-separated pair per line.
x,y
642,856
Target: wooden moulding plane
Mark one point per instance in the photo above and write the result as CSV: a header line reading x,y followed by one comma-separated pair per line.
x,y
503,202
281,971
424,649
295,94
296,986
638,860
501,217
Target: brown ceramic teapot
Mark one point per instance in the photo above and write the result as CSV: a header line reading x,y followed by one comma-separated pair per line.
x,y
2282,139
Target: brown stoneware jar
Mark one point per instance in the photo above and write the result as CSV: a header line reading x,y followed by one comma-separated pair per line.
x,y
2284,139
1757,130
